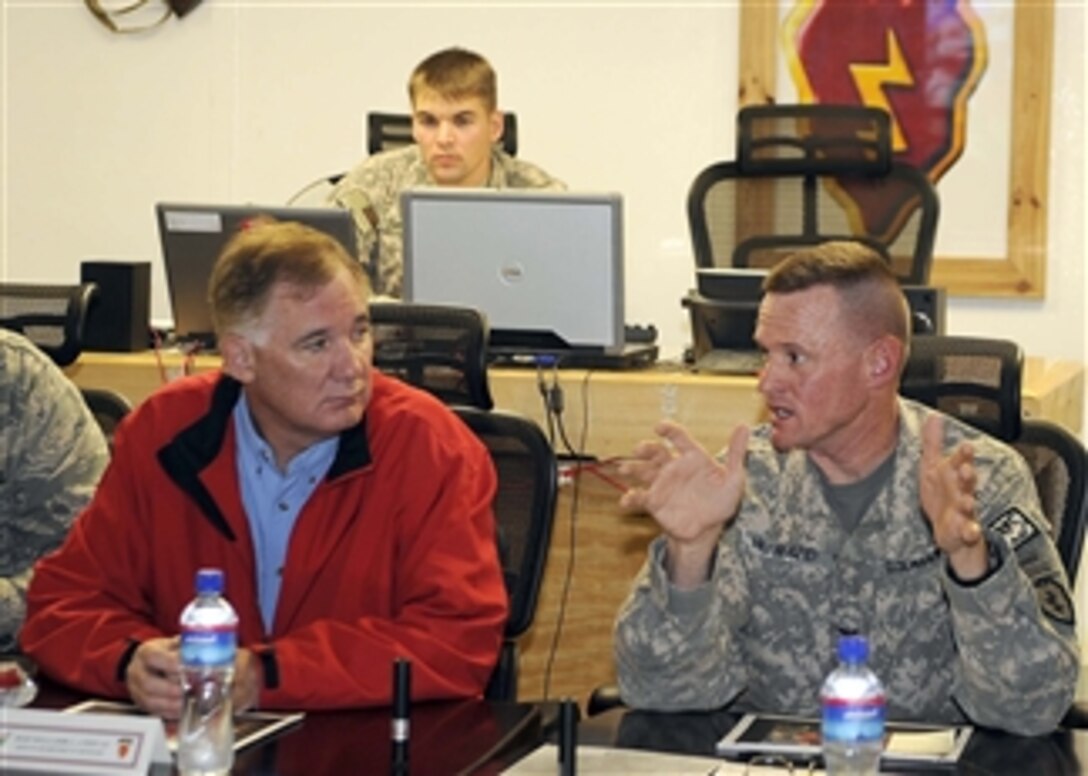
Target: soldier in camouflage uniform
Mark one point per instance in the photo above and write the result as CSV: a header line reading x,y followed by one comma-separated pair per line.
x,y
52,454
456,126
851,510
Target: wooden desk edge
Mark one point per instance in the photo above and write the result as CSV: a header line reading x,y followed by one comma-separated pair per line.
x,y
1053,388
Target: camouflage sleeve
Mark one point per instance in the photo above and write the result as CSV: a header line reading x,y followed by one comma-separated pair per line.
x,y
676,649
1015,631
353,198
54,454
518,174
371,192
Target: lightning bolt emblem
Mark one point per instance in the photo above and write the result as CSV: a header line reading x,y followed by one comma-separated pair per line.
x,y
871,79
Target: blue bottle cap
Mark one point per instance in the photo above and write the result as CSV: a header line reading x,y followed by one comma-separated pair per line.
x,y
209,581
853,649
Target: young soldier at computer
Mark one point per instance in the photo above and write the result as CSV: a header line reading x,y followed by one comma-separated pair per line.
x,y
456,126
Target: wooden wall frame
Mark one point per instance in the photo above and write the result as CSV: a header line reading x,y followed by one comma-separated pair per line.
x,y
1022,272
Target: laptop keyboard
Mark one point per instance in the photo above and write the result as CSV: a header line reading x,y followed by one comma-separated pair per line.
x,y
730,362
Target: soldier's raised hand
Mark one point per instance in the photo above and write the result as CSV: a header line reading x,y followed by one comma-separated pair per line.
x,y
691,494
947,490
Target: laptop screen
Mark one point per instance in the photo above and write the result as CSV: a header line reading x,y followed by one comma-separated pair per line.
x,y
192,237
545,267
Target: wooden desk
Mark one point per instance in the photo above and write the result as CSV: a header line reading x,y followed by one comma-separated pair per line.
x,y
609,548
622,406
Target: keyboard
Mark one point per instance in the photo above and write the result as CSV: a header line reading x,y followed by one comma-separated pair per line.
x,y
633,356
730,362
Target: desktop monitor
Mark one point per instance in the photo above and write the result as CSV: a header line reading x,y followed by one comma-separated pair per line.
x,y
545,267
193,235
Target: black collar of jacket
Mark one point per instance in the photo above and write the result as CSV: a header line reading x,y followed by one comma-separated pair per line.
x,y
197,445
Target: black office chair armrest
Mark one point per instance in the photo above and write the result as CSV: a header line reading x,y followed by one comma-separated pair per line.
x,y
602,699
1076,717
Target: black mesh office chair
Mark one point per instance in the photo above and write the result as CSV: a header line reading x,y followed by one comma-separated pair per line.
x,y
108,407
978,380
975,379
386,131
440,348
805,174
50,316
1059,462
524,511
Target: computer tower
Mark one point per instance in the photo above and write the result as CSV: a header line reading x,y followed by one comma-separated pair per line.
x,y
118,318
927,308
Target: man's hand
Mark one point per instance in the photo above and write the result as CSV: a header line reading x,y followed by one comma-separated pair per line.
x,y
153,677
691,495
248,680
948,499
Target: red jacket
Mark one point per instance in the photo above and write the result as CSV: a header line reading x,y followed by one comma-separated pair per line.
x,y
394,555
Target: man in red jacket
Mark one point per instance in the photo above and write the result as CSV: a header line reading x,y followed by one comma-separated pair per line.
x,y
351,513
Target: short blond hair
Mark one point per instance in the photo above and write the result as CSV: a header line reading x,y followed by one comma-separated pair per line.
x,y
455,73
868,289
265,252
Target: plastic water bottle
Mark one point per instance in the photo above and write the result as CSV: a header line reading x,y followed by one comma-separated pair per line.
x,y
853,713
208,644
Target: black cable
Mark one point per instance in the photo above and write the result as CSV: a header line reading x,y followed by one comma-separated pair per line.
x,y
545,397
556,403
329,180
577,456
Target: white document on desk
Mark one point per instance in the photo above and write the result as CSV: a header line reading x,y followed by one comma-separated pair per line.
x,y
593,760
249,726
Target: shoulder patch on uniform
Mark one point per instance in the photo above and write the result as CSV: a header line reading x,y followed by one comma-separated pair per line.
x,y
1015,527
1054,600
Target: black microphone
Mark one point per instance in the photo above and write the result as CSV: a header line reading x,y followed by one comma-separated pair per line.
x,y
568,738
399,727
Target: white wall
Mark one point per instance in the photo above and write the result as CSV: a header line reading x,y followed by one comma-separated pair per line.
x,y
248,101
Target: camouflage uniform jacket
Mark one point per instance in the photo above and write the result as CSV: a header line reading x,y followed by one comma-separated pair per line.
x,y
52,454
762,633
372,192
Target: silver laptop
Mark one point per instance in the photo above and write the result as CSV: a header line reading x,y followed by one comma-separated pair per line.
x,y
192,237
545,267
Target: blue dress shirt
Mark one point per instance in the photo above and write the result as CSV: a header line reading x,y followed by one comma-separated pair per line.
x,y
273,499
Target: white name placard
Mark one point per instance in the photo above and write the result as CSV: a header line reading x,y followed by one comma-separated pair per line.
x,y
38,741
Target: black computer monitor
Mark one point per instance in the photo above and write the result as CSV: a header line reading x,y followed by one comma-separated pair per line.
x,y
193,235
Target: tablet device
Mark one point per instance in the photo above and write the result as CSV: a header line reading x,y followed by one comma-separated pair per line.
x,y
796,738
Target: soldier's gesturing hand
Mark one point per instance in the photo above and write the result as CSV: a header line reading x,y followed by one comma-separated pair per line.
x,y
691,495
948,500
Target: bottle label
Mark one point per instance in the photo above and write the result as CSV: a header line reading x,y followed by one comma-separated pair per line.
x,y
208,646
854,721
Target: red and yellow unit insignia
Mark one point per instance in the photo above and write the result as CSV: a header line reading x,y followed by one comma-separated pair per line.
x,y
919,60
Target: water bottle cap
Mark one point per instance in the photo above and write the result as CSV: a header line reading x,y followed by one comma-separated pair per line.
x,y
853,649
209,581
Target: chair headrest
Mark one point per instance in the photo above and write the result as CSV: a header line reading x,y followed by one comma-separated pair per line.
x,y
812,139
